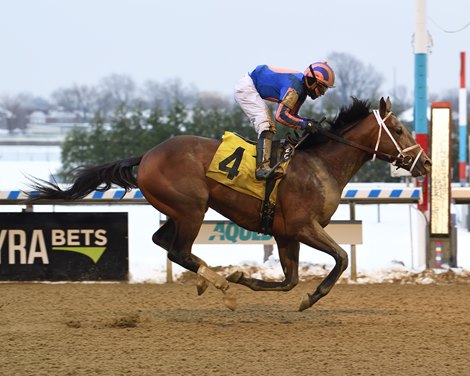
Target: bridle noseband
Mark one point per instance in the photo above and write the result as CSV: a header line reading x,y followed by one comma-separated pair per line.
x,y
401,160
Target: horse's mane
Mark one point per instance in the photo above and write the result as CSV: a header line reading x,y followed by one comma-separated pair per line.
x,y
359,109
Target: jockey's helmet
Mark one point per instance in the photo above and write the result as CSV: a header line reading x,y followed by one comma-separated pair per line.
x,y
319,73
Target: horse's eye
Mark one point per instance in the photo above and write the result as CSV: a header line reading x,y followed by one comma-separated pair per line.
x,y
399,130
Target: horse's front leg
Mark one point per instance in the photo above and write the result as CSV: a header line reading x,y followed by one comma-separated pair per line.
x,y
289,257
317,237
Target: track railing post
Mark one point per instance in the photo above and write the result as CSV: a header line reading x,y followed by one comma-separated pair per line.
x,y
352,217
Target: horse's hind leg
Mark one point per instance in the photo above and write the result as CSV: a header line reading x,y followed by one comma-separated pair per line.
x,y
185,230
179,190
289,257
165,237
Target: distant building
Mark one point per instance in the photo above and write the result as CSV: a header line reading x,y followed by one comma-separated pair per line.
x,y
43,128
38,117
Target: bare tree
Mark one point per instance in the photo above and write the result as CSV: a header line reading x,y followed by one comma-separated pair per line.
x,y
77,98
401,100
214,100
353,78
115,91
18,108
163,95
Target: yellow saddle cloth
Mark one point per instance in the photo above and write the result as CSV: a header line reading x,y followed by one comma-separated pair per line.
x,y
234,165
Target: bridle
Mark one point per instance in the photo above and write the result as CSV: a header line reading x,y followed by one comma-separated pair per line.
x,y
402,160
405,160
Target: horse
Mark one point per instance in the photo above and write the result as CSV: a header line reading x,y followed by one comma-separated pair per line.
x,y
172,178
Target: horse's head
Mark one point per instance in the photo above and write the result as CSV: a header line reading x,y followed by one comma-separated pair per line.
x,y
378,133
396,144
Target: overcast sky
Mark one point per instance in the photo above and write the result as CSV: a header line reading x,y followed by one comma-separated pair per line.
x,y
47,44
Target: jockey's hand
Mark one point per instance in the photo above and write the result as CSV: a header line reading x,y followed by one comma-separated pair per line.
x,y
313,126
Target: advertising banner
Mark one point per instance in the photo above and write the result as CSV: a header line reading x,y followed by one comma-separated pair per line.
x,y
226,232
63,246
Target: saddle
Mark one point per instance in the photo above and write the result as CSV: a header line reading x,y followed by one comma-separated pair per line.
x,y
234,165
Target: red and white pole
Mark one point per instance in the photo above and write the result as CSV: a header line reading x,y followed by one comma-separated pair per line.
x,y
462,123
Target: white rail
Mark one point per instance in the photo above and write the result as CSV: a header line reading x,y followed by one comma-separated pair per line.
x,y
119,196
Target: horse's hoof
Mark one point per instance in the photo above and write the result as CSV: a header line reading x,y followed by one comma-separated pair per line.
x,y
234,277
201,285
230,301
305,302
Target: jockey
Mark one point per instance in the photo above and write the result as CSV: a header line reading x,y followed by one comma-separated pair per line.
x,y
287,87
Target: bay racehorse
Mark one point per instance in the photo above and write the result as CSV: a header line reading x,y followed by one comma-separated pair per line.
x,y
172,177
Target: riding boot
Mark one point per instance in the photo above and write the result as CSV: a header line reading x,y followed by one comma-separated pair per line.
x,y
263,157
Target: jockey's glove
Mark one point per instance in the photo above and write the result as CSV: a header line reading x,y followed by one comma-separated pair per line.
x,y
313,126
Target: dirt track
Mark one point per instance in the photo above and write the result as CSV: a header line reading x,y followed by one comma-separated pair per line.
x,y
145,329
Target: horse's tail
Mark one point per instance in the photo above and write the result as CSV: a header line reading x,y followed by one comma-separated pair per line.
x,y
87,179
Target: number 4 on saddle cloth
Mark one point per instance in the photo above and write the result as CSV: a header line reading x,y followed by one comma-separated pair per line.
x,y
234,166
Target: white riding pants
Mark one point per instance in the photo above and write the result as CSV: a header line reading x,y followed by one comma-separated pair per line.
x,y
253,105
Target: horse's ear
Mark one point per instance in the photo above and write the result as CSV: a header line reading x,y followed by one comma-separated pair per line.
x,y
385,106
382,108
389,105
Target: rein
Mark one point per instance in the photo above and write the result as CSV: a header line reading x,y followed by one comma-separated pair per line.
x,y
399,160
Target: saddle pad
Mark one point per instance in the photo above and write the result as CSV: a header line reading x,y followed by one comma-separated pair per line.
x,y
234,165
